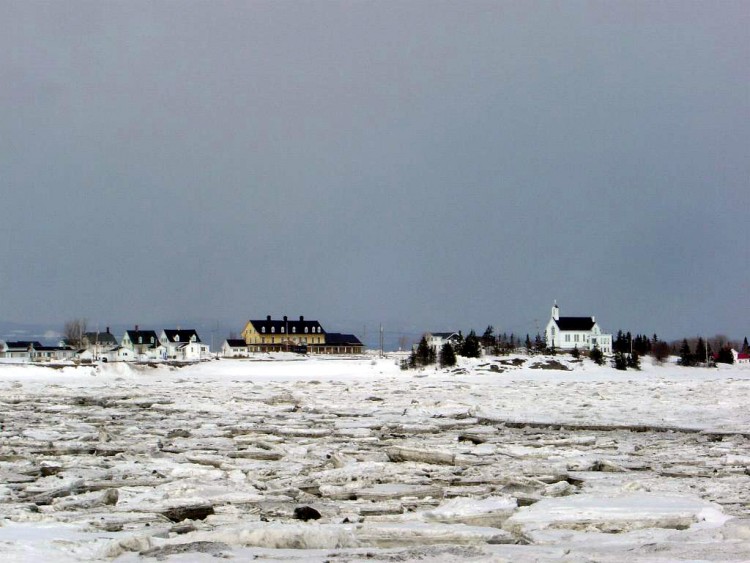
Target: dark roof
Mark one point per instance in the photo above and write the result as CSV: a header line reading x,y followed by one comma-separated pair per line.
x,y
339,339
146,335
292,326
100,337
575,323
181,335
236,343
24,344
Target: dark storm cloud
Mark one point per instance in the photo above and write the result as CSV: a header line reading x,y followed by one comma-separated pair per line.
x,y
429,164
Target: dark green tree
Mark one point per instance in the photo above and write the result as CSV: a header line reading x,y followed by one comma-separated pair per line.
x,y
470,349
425,353
447,356
745,347
686,355
725,355
700,351
529,346
596,355
488,339
634,360
619,361
540,346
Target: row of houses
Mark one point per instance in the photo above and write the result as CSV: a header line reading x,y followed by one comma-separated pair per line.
x,y
135,345
292,335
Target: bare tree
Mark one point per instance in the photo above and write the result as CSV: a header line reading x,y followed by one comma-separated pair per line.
x,y
660,351
74,333
403,342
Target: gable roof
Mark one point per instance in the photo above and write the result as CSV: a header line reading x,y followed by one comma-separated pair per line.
x,y
236,343
174,335
146,335
575,323
24,344
100,338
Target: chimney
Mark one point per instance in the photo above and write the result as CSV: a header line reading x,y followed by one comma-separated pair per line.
x,y
268,318
301,318
107,330
284,318
136,328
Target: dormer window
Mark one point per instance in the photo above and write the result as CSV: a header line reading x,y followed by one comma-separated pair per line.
x,y
282,329
140,340
263,330
176,337
294,330
273,329
305,330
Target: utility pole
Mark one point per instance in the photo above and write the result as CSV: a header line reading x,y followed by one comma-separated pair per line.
x,y
381,340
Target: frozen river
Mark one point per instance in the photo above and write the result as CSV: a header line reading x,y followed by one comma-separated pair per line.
x,y
353,459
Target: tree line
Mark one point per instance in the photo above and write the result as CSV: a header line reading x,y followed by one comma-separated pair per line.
x,y
627,349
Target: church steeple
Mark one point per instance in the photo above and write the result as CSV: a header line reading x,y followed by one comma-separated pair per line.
x,y
555,311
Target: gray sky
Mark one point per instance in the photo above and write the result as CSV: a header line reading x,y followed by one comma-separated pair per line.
x,y
431,165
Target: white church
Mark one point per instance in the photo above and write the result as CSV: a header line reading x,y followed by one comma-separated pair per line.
x,y
565,333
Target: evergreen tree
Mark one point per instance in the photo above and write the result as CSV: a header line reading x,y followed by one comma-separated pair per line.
x,y
619,361
470,349
425,353
529,348
700,351
539,344
576,353
686,356
488,339
634,360
725,355
745,347
620,344
596,355
447,356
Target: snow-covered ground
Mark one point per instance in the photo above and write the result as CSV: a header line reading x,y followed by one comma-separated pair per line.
x,y
498,459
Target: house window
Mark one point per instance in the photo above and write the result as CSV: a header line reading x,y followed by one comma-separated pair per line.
x,y
305,330
273,329
576,337
567,338
263,330
282,330
294,330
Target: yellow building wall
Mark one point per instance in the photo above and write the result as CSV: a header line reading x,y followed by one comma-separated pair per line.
x,y
252,336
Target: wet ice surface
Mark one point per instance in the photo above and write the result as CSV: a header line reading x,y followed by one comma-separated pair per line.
x,y
492,461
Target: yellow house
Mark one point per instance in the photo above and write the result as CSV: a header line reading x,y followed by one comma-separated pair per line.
x,y
274,336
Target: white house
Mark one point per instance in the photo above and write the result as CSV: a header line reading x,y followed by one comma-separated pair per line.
x,y
183,345
566,333
436,340
234,348
145,344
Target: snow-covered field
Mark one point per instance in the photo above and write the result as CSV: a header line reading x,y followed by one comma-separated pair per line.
x,y
497,460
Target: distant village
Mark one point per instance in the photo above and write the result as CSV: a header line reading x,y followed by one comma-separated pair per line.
x,y
575,335
299,335
184,345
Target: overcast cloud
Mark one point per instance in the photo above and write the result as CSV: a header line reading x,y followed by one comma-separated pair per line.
x,y
431,165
